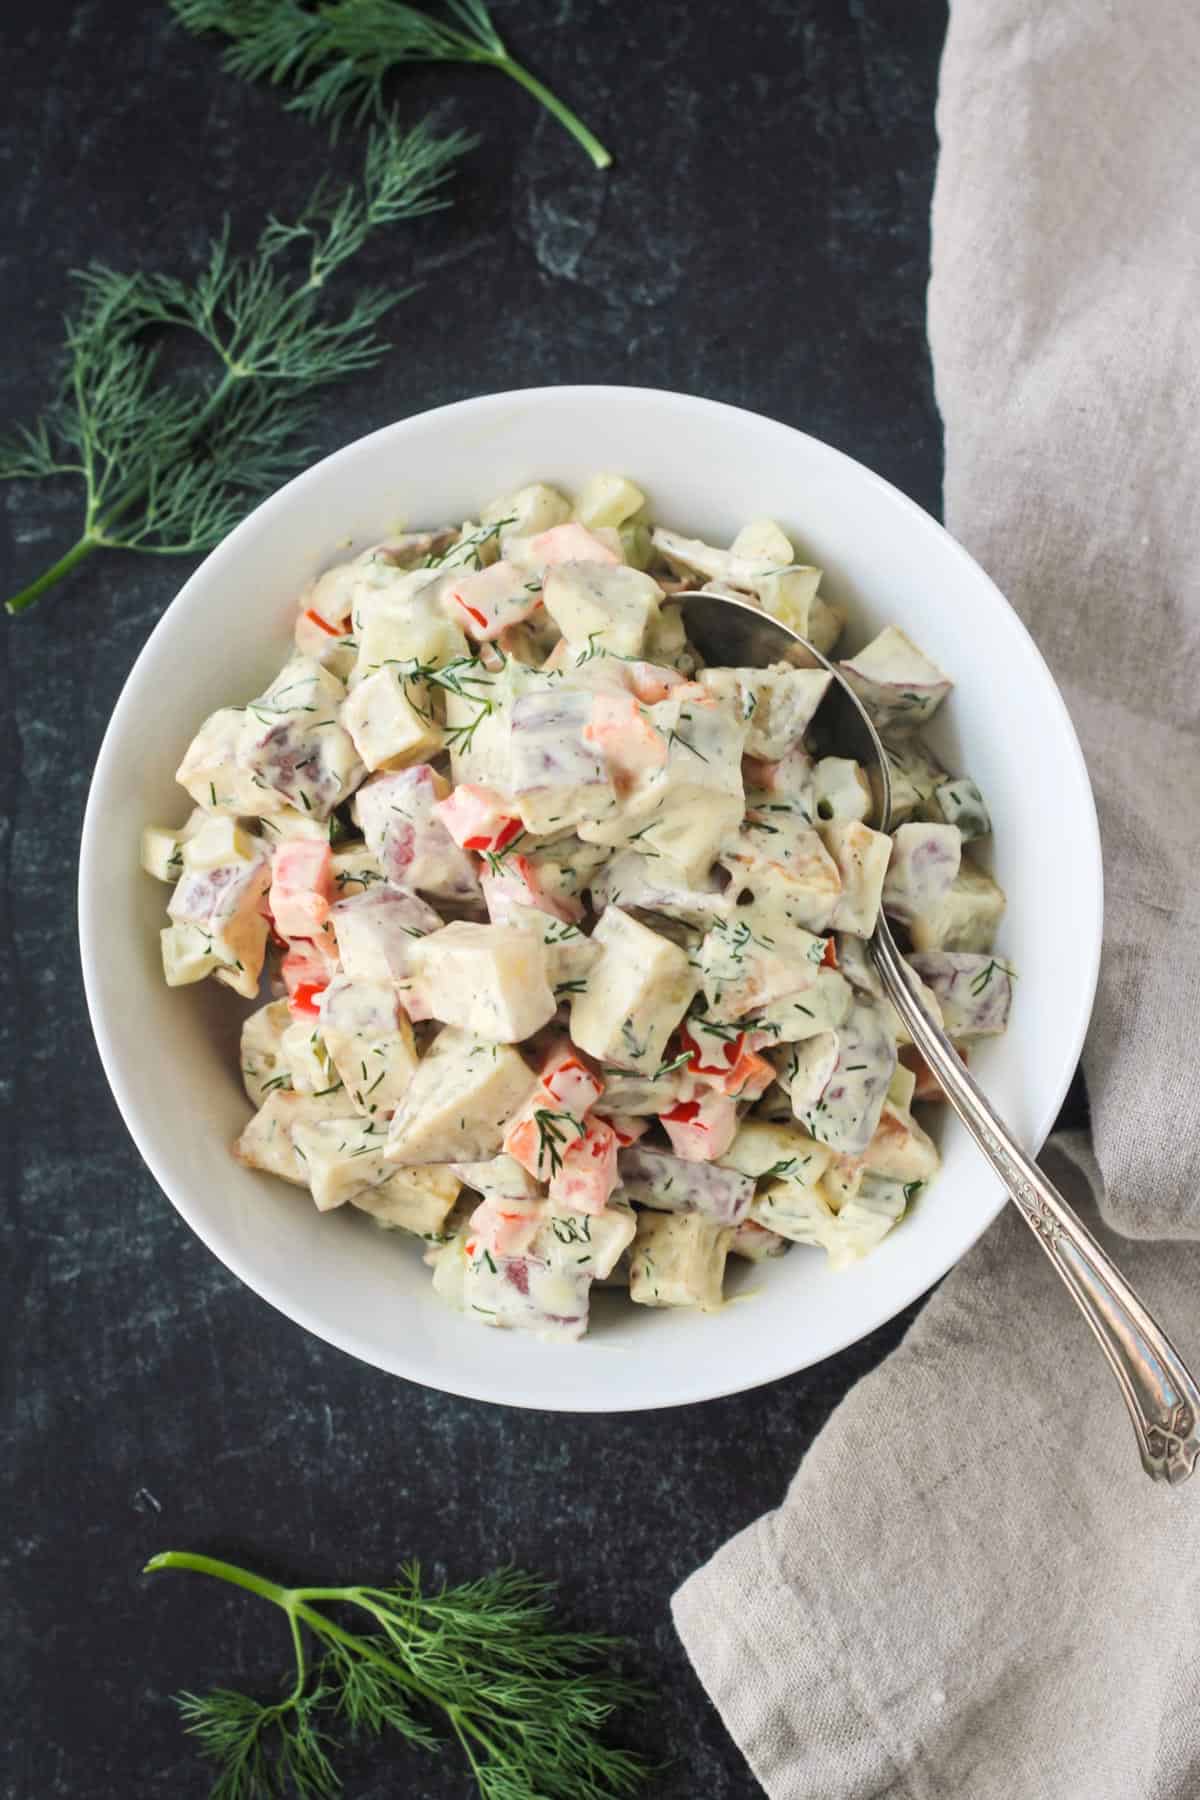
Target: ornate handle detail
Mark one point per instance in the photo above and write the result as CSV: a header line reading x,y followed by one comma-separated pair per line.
x,y
1162,1397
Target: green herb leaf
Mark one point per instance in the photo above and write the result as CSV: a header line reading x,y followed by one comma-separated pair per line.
x,y
168,462
484,1661
337,56
552,1135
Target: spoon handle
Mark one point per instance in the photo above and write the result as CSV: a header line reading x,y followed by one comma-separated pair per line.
x,y
1162,1397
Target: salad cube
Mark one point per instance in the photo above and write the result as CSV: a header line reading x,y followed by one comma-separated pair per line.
x,y
486,979
639,989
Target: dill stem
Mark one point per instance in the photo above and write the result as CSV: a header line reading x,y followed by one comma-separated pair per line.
x,y
48,577
221,1571
601,157
295,1603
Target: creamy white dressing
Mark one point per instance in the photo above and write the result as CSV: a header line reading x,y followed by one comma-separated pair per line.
x,y
588,998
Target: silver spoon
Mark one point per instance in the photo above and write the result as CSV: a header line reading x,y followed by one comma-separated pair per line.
x,y
1162,1397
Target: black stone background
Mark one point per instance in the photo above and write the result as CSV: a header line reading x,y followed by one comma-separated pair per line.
x,y
763,238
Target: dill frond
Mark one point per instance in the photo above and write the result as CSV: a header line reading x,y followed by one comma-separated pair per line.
x,y
485,1661
169,460
337,55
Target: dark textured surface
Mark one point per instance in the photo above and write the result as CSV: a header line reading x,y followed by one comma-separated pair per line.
x,y
762,239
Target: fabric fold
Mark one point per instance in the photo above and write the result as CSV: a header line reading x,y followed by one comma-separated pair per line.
x,y
971,1589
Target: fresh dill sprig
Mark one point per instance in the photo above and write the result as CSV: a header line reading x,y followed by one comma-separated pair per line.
x,y
457,677
556,1131
170,461
467,550
525,1700
337,55
982,977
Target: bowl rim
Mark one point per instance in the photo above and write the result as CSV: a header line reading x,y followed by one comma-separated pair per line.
x,y
90,922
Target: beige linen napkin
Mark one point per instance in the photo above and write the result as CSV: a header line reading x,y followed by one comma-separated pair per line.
x,y
971,1590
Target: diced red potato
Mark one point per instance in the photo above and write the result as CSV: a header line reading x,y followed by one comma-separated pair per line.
x,y
489,980
838,1080
788,592
395,812
778,704
745,970
821,1007
330,597
683,810
975,991
292,742
895,681
367,1032
559,778
915,775
755,1242
632,880
376,931
521,886
673,1184
217,910
967,917
301,887
478,819
524,1293
639,987
524,510
790,867
485,602
412,549
213,774
861,856
860,971
701,1126
588,1172
601,606
922,868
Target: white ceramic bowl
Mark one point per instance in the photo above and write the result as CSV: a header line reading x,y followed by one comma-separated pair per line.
x,y
171,1056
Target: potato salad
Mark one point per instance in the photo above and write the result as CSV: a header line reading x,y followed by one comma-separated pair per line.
x,y
554,938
